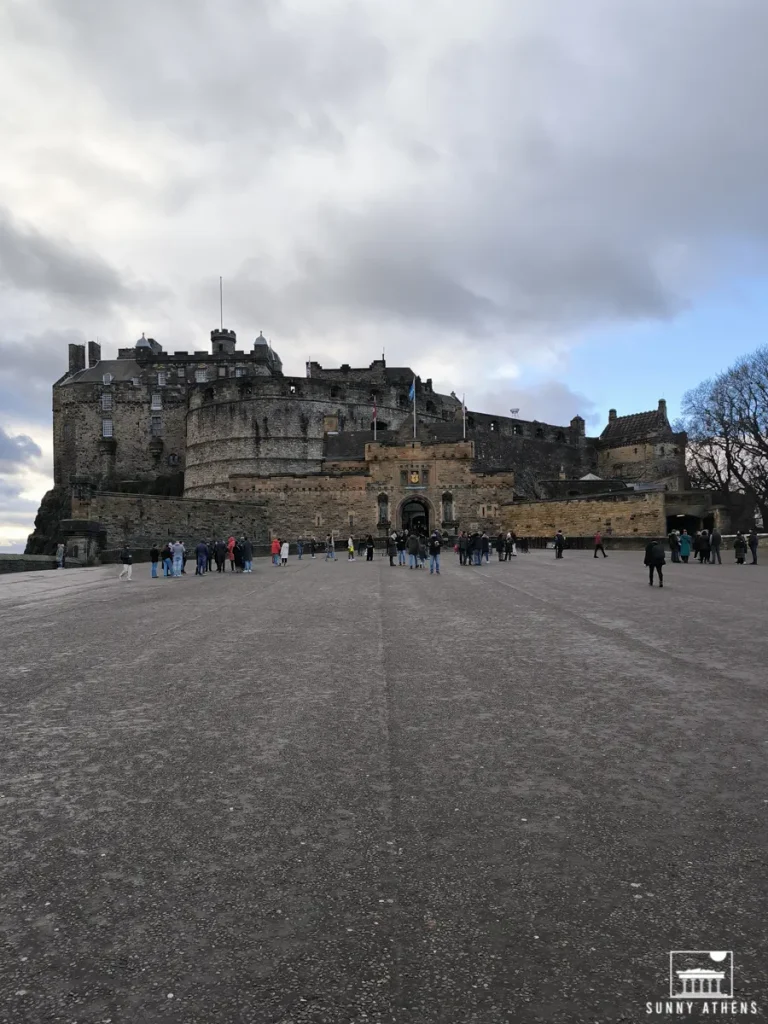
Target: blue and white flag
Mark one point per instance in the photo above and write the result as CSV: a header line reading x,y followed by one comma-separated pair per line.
x,y
412,392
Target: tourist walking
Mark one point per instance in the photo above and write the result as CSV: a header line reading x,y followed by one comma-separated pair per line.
x,y
247,549
674,545
715,540
740,548
312,547
599,544
500,546
167,556
178,558
330,548
351,549
284,550
655,559
369,548
59,555
753,542
434,553
485,548
201,551
413,551
300,547
238,553
221,555
686,545
154,558
509,546
126,558
559,544
704,547
422,551
461,544
231,553
401,548
392,548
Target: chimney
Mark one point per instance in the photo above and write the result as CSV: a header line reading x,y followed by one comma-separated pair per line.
x,y
76,358
611,415
94,352
663,407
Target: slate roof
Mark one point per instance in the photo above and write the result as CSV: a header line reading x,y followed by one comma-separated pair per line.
x,y
630,429
121,370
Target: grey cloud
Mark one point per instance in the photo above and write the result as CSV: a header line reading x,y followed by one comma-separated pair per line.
x,y
550,401
29,365
17,448
31,261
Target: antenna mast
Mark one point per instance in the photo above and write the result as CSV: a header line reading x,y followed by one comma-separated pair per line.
x,y
221,302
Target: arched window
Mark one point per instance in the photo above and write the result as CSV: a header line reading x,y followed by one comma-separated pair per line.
x,y
430,407
447,507
383,509
402,401
539,432
494,425
517,430
560,435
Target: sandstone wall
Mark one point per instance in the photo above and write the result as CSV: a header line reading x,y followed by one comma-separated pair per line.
x,y
617,515
657,461
143,520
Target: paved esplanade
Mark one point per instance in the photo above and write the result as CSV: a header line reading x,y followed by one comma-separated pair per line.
x,y
349,792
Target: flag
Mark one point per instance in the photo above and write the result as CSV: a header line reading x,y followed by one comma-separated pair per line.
x,y
412,392
375,410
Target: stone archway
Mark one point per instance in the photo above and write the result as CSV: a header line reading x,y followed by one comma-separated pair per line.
x,y
415,515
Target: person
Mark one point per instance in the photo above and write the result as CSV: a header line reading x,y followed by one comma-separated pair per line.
x,y
686,545
422,550
485,548
238,553
461,545
369,548
231,553
599,544
413,551
127,559
392,548
284,549
401,548
351,549
167,556
154,557
509,547
209,560
312,546
330,548
201,551
753,542
513,538
434,553
221,555
559,544
300,547
477,548
696,544
740,548
655,559
275,549
704,547
184,560
715,540
674,545
500,546
178,557
59,555
247,549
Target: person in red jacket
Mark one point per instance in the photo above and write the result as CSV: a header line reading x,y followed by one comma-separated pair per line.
x,y
231,553
599,544
276,551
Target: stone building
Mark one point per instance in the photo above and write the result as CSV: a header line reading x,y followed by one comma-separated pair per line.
x,y
227,425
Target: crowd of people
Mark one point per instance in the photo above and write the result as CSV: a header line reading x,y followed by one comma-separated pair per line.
x,y
705,546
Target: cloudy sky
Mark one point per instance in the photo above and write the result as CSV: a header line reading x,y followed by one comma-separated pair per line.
x,y
548,204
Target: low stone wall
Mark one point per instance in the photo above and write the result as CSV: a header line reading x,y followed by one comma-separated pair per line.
x,y
26,563
143,520
615,515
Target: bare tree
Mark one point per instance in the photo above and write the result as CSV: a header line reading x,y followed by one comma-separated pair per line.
x,y
727,423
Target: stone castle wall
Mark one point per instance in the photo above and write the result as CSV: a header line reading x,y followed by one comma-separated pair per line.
x,y
619,515
659,461
143,520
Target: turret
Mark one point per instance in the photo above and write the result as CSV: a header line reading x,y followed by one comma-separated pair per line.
x,y
223,342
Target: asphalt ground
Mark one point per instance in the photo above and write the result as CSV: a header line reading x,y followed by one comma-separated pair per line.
x,y
344,792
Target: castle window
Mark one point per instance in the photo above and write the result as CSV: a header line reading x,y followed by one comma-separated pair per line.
x,y
157,400
107,378
403,477
180,371
156,426
494,425
318,519
173,460
560,435
380,425
661,450
336,392
239,371
539,432
222,371
351,521
635,451
106,403
383,508
67,431
517,430
425,478
106,428
447,507
470,421
208,395
292,389
431,407
201,376
402,401
162,379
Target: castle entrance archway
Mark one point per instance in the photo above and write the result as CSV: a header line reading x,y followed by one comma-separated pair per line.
x,y
415,515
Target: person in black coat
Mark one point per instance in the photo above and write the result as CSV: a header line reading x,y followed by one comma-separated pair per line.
x,y
655,559
369,548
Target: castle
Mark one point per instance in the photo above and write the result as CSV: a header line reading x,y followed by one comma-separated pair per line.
x,y
153,444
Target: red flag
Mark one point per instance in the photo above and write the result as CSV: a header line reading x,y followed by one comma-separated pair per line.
x,y
375,410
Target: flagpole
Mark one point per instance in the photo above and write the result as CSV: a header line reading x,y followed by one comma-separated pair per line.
x,y
464,417
414,408
375,418
221,302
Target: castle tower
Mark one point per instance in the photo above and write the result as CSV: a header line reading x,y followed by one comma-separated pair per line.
x,y
223,342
